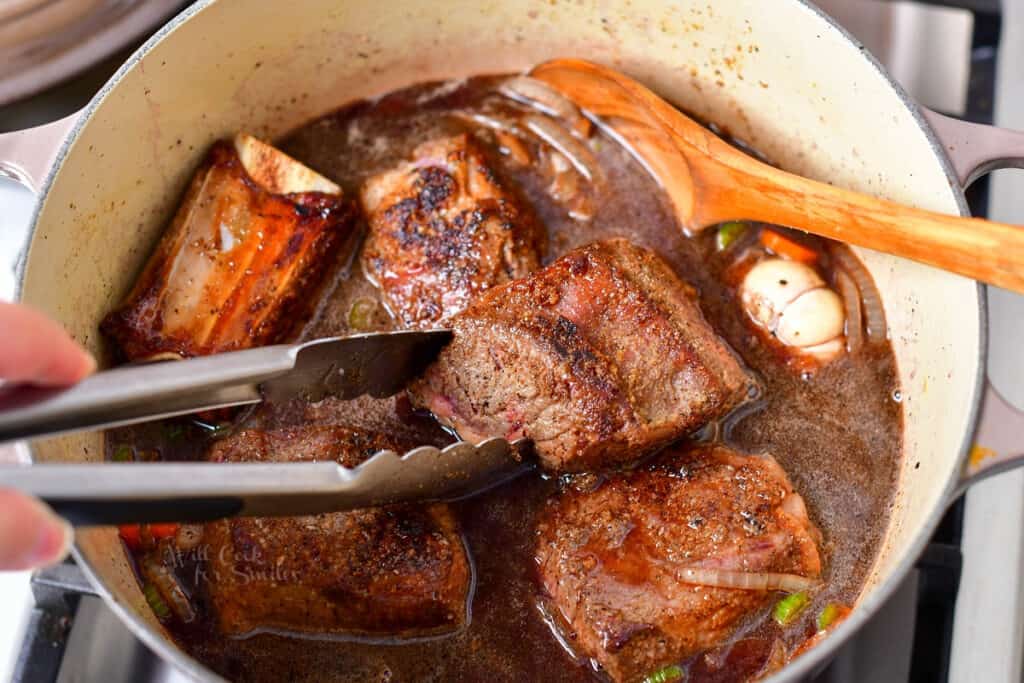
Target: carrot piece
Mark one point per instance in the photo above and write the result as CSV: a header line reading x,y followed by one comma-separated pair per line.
x,y
163,530
785,247
131,534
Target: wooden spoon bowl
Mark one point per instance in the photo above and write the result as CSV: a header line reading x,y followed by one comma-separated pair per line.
x,y
710,181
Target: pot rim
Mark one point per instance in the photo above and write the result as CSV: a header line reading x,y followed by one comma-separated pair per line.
x,y
818,656
805,665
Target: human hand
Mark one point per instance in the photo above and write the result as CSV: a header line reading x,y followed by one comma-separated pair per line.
x,y
35,350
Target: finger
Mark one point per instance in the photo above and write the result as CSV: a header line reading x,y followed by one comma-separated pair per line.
x,y
31,535
36,350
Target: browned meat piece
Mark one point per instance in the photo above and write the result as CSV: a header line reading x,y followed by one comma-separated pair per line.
x,y
636,566
399,570
598,358
251,237
442,230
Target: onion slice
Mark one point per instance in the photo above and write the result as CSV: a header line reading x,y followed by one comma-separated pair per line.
x,y
169,587
776,659
513,147
506,132
854,313
546,99
495,123
575,151
754,581
874,314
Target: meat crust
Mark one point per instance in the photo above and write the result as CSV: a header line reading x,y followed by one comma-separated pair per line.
x,y
394,571
236,265
442,230
599,358
610,559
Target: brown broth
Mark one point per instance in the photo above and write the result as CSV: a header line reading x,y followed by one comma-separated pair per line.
x,y
836,432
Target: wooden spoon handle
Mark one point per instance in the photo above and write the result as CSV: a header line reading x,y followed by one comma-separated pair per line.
x,y
710,181
983,250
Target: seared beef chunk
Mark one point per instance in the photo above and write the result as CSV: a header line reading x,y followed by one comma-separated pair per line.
x,y
398,571
442,230
598,358
253,233
636,566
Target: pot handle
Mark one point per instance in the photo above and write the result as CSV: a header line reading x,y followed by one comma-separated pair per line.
x,y
998,444
974,150
27,155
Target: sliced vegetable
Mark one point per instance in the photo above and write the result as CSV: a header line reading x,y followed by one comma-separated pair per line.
x,y
789,608
496,123
777,658
854,313
751,581
123,453
163,530
555,135
729,233
134,534
871,303
567,186
168,588
832,613
513,147
548,100
787,248
666,675
156,602
362,314
131,534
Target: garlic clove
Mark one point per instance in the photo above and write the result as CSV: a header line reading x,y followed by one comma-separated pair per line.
x,y
771,285
827,351
811,319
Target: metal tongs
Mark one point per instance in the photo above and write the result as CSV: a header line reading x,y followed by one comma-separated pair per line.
x,y
376,364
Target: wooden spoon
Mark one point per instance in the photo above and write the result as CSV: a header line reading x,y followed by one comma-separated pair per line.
x,y
709,181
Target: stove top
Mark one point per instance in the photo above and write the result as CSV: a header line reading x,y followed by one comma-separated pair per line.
x,y
944,52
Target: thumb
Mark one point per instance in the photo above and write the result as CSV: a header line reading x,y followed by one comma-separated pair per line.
x,y
31,535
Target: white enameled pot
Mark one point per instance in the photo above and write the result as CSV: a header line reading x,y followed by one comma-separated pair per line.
x,y
777,73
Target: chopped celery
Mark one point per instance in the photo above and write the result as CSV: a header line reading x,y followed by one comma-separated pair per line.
x,y
667,675
729,233
362,315
156,602
829,614
789,608
123,453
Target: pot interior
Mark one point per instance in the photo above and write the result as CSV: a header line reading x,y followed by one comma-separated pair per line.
x,y
757,68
